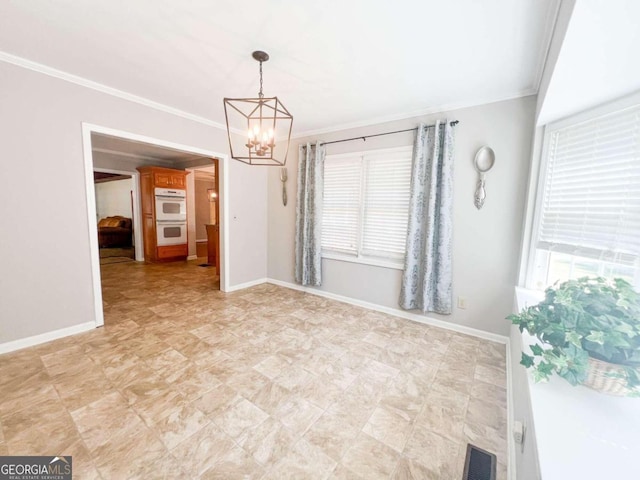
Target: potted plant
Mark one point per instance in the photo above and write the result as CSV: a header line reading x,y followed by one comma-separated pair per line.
x,y
588,332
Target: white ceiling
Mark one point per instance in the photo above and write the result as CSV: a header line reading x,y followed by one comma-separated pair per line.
x,y
599,59
334,63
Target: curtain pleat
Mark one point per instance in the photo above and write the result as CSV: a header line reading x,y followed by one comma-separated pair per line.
x,y
427,274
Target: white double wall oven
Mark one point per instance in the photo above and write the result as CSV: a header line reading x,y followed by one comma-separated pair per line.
x,y
171,216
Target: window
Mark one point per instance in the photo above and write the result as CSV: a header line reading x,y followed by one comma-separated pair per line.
x,y
588,219
366,206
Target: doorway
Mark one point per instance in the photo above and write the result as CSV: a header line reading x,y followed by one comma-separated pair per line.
x,y
116,193
98,150
206,215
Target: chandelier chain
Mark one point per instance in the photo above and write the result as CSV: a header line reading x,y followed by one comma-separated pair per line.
x,y
260,94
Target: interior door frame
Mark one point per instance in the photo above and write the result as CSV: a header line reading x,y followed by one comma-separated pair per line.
x,y
223,195
137,210
215,168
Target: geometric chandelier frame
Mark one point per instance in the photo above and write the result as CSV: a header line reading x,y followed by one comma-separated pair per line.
x,y
266,120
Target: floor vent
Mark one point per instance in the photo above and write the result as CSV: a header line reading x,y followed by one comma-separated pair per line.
x,y
479,464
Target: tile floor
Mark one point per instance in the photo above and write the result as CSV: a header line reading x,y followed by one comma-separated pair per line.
x,y
267,383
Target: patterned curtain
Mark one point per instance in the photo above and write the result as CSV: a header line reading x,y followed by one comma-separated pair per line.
x,y
426,280
309,214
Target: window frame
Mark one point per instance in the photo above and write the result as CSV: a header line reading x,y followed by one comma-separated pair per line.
x,y
537,175
378,261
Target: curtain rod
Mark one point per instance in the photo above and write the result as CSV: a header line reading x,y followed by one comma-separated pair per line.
x,y
364,137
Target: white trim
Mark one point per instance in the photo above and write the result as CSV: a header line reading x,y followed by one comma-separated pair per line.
x,y
69,77
511,446
413,114
223,159
223,208
550,31
242,286
364,260
377,151
493,337
616,105
192,257
94,249
531,214
45,337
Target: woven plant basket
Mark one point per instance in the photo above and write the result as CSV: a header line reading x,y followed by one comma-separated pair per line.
x,y
607,378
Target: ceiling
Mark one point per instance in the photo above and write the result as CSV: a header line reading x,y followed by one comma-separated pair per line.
x,y
598,60
103,177
334,64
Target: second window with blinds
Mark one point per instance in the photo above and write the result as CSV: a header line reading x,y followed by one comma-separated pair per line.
x,y
366,206
587,221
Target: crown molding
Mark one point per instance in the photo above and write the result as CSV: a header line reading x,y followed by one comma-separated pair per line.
x,y
81,81
552,23
414,113
84,82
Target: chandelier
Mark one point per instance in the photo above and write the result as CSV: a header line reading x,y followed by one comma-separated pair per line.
x,y
267,124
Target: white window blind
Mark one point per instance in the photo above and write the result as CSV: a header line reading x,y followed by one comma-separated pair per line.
x,y
591,196
341,207
386,207
366,204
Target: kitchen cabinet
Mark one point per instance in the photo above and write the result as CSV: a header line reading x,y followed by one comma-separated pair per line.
x,y
150,179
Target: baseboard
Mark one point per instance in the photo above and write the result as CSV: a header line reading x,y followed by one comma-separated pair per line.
x,y
192,257
242,286
493,337
45,337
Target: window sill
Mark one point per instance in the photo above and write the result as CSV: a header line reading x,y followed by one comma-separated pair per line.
x,y
364,261
580,433
526,297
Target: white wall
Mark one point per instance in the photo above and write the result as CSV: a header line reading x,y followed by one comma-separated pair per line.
x,y
486,242
41,124
114,198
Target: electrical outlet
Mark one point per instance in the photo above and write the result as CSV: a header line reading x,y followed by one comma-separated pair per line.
x,y
462,302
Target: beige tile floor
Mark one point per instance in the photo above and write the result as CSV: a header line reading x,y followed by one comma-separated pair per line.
x,y
187,382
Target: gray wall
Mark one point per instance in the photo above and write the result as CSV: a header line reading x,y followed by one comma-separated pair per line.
x,y
46,276
486,242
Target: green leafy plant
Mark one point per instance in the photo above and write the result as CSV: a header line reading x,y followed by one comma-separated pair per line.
x,y
578,319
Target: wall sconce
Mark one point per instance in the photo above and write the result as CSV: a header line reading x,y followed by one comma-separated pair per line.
x,y
212,194
484,161
283,179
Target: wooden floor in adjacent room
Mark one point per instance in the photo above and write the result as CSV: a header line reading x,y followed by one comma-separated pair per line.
x,y
185,381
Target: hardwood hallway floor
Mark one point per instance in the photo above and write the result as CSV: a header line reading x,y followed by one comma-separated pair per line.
x,y
187,382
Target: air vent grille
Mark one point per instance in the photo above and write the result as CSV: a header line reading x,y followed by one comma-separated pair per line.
x,y
479,464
